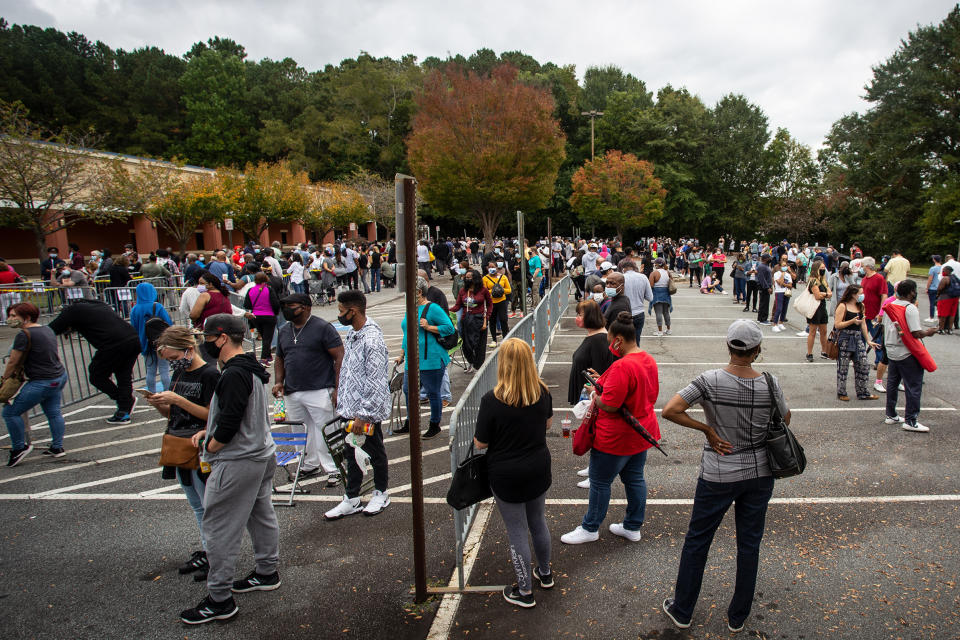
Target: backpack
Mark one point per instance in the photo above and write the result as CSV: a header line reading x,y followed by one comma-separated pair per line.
x,y
953,291
153,328
497,291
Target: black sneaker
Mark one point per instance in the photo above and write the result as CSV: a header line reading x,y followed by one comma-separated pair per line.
x,y
432,432
809,357
333,479
546,581
200,576
403,429
256,582
120,417
196,562
667,609
512,595
208,610
309,473
17,455
55,452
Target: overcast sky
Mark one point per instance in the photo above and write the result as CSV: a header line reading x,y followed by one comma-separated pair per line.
x,y
804,63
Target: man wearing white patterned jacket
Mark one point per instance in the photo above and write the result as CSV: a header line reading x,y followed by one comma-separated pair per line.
x,y
364,395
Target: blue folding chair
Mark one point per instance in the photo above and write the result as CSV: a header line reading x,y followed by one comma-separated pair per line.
x,y
291,447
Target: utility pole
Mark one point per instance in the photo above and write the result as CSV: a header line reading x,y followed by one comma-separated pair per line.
x,y
593,113
523,263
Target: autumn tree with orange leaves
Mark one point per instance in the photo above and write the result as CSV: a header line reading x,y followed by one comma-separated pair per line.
x,y
618,190
484,146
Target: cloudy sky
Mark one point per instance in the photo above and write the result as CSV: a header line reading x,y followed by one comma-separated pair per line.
x,y
805,63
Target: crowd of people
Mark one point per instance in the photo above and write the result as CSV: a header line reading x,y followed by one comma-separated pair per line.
x,y
214,392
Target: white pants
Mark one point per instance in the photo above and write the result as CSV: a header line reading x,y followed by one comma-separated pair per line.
x,y
315,409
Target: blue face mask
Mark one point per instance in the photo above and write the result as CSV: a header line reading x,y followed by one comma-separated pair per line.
x,y
860,297
610,291
784,268
861,272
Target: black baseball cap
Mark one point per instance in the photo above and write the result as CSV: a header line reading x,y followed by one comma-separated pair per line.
x,y
224,324
297,298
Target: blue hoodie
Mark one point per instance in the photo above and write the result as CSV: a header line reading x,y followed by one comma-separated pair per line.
x,y
146,309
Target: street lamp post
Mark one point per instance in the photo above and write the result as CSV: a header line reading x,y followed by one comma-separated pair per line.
x,y
593,113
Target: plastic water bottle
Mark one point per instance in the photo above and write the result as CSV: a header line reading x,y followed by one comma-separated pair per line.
x,y
279,410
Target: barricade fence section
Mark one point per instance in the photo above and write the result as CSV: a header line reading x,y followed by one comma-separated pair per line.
x,y
535,329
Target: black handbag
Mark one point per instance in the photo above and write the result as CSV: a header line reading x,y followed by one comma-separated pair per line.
x,y
784,453
470,483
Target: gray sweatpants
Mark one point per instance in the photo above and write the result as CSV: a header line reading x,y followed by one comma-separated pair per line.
x,y
237,496
518,517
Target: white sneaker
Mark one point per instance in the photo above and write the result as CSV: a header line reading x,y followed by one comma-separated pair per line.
x,y
894,420
801,334
579,536
584,484
777,328
657,334
900,387
617,529
345,508
667,332
879,387
930,321
583,473
379,502
919,428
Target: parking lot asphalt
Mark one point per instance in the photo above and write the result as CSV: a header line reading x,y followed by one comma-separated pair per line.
x,y
863,545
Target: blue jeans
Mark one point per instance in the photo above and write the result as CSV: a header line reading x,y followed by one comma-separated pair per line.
x,y
375,279
932,298
780,315
46,393
604,467
712,499
444,388
194,493
638,321
155,364
875,329
299,287
740,289
431,380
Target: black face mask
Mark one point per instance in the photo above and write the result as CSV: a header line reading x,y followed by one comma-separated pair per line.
x,y
212,349
822,271
290,314
344,320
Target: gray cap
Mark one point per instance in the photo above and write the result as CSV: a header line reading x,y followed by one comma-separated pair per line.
x,y
744,334
224,323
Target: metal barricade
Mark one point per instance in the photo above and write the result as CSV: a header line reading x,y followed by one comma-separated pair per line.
x,y
535,329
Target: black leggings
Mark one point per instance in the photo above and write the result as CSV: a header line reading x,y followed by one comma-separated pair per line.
x,y
266,325
499,316
117,361
718,276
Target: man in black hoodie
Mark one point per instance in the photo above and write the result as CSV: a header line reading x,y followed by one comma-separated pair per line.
x,y
239,448
118,347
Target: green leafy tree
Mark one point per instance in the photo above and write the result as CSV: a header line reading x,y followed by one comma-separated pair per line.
x,y
263,194
618,190
484,146
186,205
46,177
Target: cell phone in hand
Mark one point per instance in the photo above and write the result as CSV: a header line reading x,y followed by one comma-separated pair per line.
x,y
144,392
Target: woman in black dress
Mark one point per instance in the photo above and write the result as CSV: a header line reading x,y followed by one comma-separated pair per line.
x,y
817,285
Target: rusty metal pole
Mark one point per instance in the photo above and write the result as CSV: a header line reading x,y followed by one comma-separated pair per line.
x,y
413,386
549,270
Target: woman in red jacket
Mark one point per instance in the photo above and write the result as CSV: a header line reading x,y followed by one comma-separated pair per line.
x,y
630,382
477,305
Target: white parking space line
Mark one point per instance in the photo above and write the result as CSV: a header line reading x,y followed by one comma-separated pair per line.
x,y
43,425
426,481
95,483
96,431
70,467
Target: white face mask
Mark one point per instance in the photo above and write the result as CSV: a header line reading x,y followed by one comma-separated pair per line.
x,y
598,297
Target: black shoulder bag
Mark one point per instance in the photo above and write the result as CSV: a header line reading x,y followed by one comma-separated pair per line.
x,y
784,453
470,483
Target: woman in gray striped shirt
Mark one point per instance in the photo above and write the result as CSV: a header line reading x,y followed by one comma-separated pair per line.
x,y
733,470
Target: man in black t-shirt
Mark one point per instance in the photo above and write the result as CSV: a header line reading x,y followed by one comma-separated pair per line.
x,y
306,370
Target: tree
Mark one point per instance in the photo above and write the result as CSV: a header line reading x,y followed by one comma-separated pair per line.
x,y
380,194
186,205
484,146
794,206
264,193
335,205
619,191
134,189
45,176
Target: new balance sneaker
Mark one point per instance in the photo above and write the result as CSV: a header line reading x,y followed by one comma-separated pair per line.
x,y
916,427
196,562
209,610
618,529
257,582
546,581
668,609
511,593
894,420
55,452
348,507
17,455
585,473
879,387
379,502
584,484
580,536
120,417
